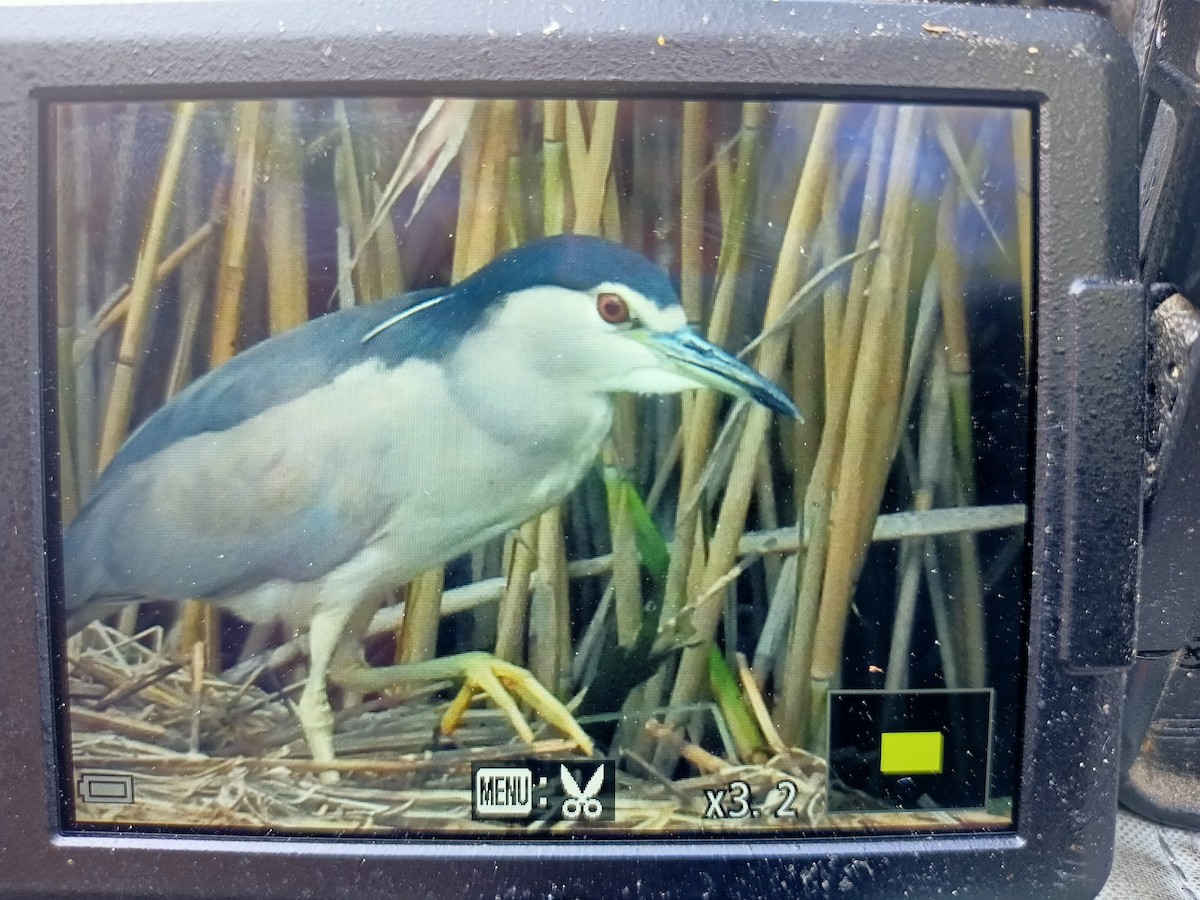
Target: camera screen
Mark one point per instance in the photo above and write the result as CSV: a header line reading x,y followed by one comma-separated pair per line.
x,y
518,467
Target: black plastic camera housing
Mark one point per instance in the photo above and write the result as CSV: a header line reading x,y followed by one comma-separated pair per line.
x,y
1072,71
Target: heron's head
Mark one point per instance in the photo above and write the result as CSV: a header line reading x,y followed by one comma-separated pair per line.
x,y
599,318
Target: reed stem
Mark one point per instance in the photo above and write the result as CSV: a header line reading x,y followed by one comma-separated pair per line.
x,y
870,418
797,245
141,294
286,236
231,274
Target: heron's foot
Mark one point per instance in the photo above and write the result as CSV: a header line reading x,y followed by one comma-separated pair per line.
x,y
482,672
316,720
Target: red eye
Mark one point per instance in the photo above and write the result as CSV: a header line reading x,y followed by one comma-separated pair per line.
x,y
612,309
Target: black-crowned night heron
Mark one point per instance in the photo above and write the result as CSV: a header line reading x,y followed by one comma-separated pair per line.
x,y
313,474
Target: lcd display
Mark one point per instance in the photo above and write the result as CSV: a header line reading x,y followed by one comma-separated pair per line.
x,y
539,466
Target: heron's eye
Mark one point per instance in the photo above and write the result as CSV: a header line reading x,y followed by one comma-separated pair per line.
x,y
612,309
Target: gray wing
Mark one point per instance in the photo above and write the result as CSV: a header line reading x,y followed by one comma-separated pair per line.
x,y
202,502
283,368
215,515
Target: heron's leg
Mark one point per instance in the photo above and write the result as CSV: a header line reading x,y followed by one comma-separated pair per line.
x,y
495,677
348,654
316,717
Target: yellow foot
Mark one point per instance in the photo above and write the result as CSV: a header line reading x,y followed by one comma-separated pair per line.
x,y
483,672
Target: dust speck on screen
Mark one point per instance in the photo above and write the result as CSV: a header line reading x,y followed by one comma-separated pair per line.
x,y
539,466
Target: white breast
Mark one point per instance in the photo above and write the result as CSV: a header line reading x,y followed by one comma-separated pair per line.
x,y
440,464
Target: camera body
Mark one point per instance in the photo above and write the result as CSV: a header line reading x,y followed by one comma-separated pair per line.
x,y
1079,395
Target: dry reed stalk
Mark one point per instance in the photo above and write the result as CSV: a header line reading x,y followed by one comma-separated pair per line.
x,y
936,473
121,245
417,640
486,203
870,418
954,325
231,273
969,619
691,209
842,318
921,351
911,563
890,393
808,390
112,313
552,567
554,203
286,236
544,660
610,214
909,569
117,414
731,520
843,328
736,184
195,278
780,609
624,435
576,144
356,284
967,172
198,669
697,756
700,411
435,143
382,236
387,250
118,171
768,510
752,691
84,720
913,551
723,166
1022,146
792,618
514,603
516,229
470,165
589,161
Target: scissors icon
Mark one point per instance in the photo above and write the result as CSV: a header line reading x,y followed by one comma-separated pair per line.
x,y
582,801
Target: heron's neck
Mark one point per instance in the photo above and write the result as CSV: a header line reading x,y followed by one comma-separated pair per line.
x,y
512,398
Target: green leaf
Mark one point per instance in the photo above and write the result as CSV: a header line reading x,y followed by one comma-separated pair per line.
x,y
747,736
653,552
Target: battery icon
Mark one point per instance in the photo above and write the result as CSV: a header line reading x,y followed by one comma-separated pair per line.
x,y
105,787
503,792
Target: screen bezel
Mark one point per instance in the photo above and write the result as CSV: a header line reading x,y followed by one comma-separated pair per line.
x,y
1072,71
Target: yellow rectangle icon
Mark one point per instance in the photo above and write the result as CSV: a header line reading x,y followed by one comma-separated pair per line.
x,y
911,753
